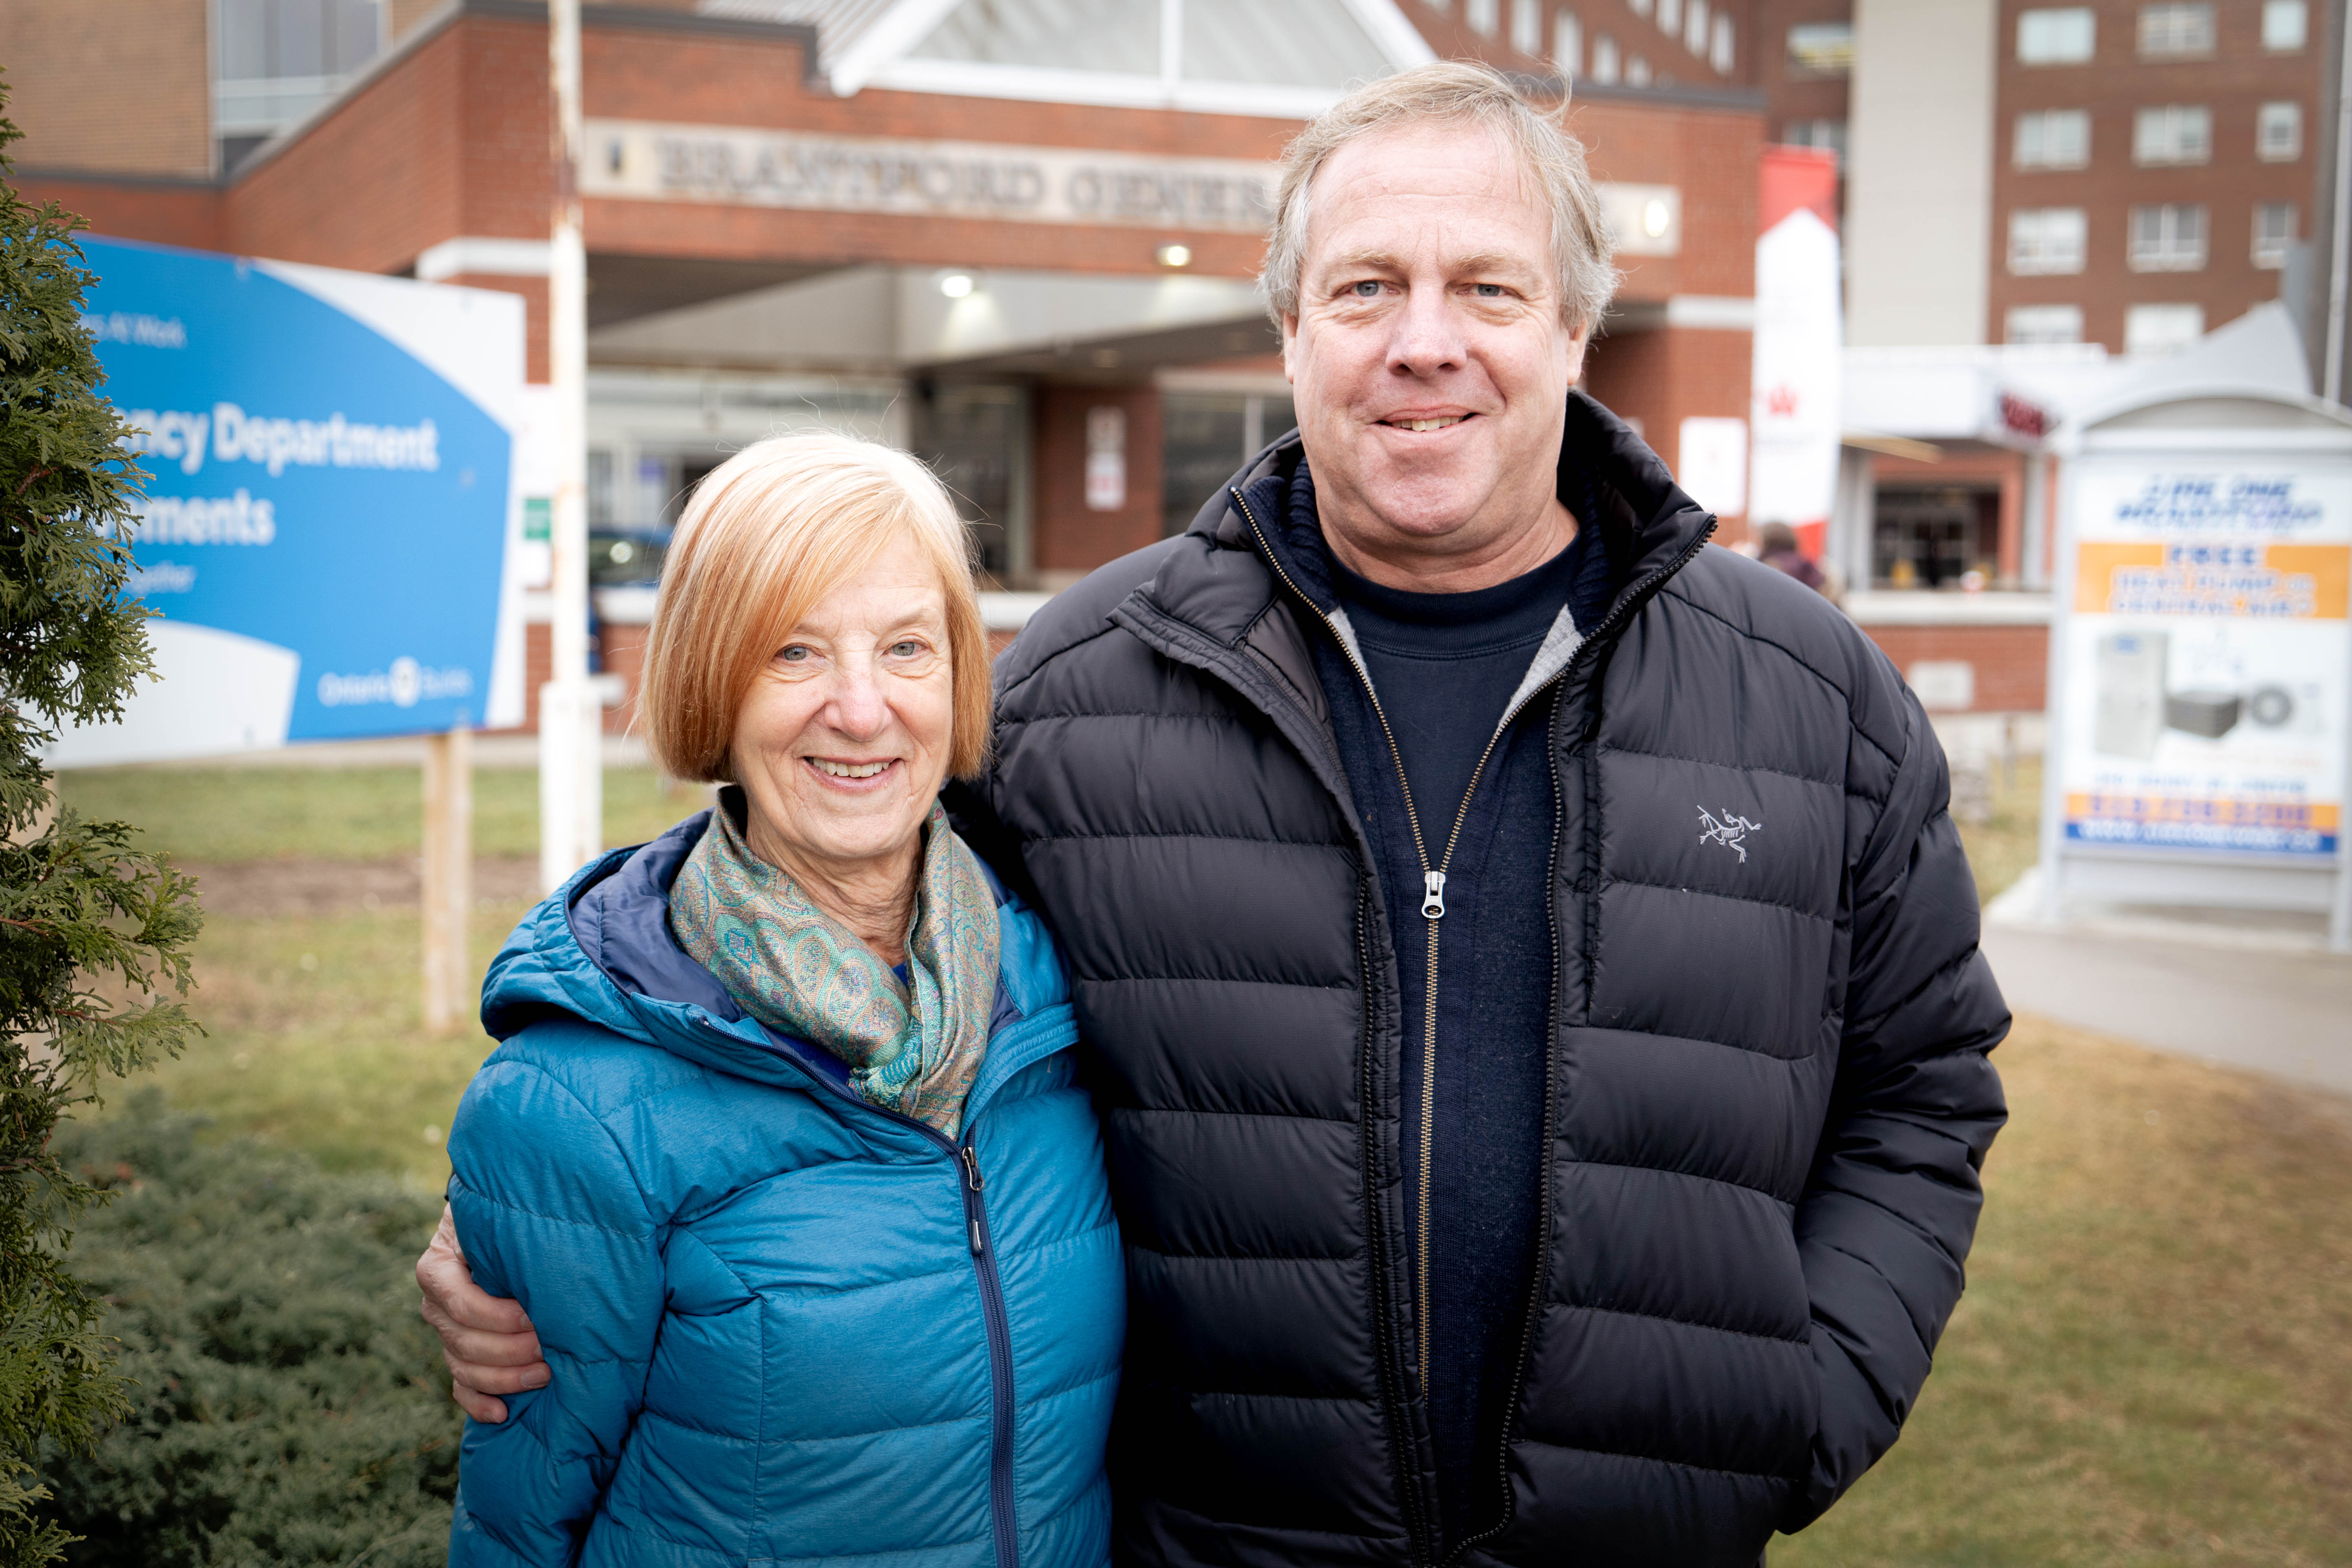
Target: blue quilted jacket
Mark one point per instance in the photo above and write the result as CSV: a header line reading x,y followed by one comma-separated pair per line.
x,y
785,1326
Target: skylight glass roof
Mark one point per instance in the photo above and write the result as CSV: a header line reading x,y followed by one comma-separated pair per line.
x,y
1065,35
1303,42
1298,43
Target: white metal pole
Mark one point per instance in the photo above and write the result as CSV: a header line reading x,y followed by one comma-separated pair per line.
x,y
2055,709
570,751
2338,260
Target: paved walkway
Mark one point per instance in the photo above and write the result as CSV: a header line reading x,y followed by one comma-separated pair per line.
x,y
2276,1010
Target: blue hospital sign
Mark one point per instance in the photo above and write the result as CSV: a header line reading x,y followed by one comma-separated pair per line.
x,y
327,515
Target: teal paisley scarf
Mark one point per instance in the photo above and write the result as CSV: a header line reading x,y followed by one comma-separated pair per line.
x,y
913,1048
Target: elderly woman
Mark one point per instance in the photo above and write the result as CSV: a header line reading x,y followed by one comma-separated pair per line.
x,y
783,1153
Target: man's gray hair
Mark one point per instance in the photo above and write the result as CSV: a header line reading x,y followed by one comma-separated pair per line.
x,y
1456,92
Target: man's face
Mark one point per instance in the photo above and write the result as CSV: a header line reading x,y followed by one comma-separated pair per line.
x,y
1428,356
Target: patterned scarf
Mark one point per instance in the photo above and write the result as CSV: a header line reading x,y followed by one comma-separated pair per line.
x,y
914,1048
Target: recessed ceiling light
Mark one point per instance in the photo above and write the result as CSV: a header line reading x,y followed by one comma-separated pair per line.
x,y
956,285
1655,220
1174,256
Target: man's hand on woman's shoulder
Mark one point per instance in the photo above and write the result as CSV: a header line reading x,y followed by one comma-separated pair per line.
x,y
486,1340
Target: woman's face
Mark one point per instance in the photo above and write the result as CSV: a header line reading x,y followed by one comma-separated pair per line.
x,y
842,743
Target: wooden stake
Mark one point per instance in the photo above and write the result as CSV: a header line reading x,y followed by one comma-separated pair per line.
x,y
448,877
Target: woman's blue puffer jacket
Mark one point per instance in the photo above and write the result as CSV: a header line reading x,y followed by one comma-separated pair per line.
x,y
785,1325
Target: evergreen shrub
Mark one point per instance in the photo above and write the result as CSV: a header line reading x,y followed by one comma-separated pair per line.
x,y
288,1405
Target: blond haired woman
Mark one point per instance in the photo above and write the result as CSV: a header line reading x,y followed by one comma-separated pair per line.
x,y
782,1151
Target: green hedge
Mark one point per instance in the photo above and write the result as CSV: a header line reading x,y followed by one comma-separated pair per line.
x,y
290,1407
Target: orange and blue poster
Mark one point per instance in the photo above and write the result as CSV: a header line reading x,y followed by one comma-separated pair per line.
x,y
2209,656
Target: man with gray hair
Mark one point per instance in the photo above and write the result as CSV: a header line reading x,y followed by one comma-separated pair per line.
x,y
1530,974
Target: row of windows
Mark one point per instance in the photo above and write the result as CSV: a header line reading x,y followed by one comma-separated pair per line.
x,y
2164,236
2169,133
1698,25
2148,328
2069,35
1612,63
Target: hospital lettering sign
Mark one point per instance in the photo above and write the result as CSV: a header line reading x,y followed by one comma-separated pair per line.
x,y
647,161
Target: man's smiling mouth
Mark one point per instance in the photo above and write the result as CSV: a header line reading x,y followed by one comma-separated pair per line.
x,y
1441,422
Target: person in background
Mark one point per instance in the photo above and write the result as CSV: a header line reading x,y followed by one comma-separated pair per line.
x,y
1776,546
782,1158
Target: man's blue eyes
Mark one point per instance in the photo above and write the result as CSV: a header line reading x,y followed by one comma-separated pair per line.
x,y
1369,287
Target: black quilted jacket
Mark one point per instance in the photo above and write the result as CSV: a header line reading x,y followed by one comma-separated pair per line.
x,y
1768,1093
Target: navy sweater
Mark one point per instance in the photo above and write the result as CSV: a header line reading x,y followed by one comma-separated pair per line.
x,y
1444,665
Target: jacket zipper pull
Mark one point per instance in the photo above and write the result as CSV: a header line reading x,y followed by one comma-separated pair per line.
x,y
1432,896
972,1179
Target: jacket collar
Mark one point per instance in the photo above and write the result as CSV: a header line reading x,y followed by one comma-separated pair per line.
x,y
1647,524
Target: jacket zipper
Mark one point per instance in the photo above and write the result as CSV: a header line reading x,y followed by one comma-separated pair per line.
x,y
963,1158
1432,909
1606,629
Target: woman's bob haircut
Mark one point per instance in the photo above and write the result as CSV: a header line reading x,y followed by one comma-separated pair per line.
x,y
773,529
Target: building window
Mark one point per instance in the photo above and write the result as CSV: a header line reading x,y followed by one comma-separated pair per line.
x,y
1828,133
2286,24
1641,7
2046,240
276,60
1527,27
1604,60
1205,436
2278,132
2044,324
2053,139
1695,28
1483,15
1822,48
2275,230
2173,133
2169,32
2168,237
1637,72
2062,36
1718,54
1670,16
2160,329
1933,538
1566,43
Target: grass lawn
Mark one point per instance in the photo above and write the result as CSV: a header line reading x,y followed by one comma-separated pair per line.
x,y
2150,1367
346,813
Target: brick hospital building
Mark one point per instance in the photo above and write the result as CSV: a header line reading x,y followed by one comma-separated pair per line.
x,y
1020,246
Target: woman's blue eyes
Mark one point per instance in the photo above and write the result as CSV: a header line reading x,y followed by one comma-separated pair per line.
x,y
796,653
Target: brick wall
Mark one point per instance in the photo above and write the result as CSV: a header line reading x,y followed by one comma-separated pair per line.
x,y
1068,537
114,85
2012,663
372,185
1710,155
1665,376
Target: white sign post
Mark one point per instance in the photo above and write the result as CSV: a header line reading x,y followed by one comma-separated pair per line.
x,y
2200,657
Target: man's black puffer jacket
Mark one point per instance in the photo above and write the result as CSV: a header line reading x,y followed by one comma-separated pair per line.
x,y
1768,1092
